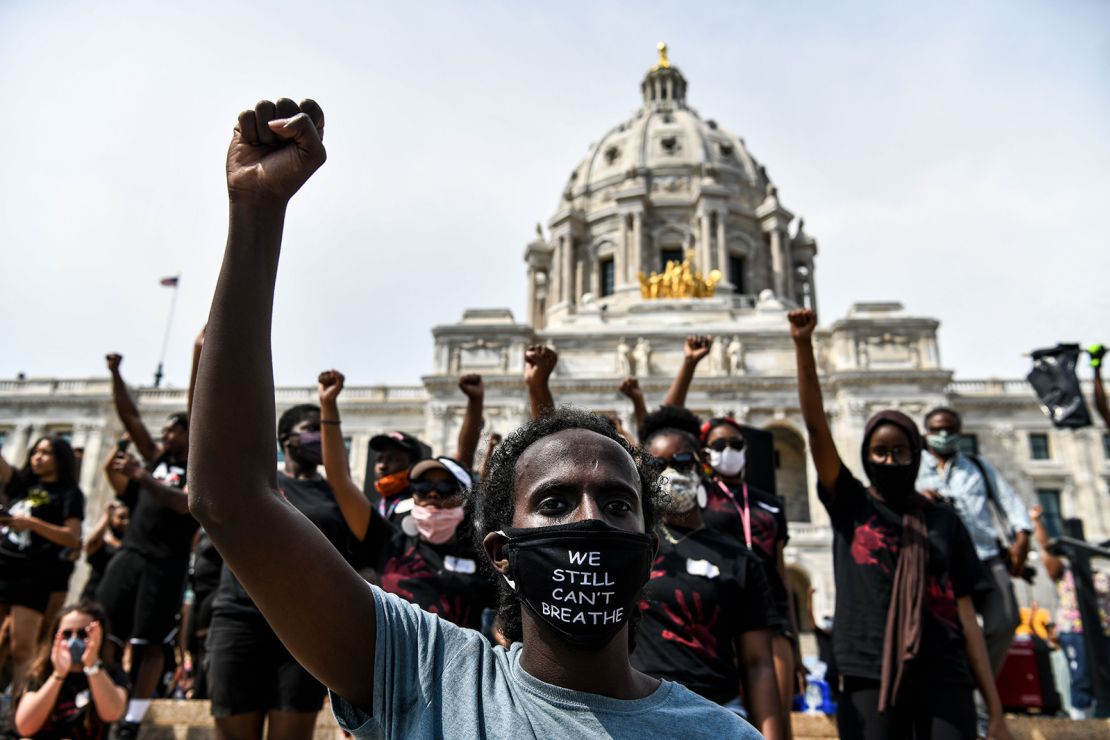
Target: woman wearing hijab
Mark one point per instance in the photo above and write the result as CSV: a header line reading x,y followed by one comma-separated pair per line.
x,y
907,643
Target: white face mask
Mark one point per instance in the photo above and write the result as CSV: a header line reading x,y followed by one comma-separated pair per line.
x,y
728,462
682,489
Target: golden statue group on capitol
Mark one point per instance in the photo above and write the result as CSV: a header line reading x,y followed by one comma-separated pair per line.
x,y
679,280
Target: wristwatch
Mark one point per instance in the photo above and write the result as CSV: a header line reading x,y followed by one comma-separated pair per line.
x,y
92,670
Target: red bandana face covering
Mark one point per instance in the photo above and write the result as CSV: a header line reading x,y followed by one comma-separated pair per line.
x,y
392,484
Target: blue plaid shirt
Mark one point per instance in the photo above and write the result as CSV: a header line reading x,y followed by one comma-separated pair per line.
x,y
961,483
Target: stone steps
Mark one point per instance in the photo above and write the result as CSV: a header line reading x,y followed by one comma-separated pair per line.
x,y
190,720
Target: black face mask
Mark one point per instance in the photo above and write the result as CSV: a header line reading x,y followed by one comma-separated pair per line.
x,y
892,481
310,450
581,579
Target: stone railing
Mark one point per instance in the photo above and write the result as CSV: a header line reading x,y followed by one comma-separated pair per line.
x,y
56,387
990,387
176,396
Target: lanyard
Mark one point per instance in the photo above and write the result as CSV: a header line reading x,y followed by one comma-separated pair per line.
x,y
387,507
745,513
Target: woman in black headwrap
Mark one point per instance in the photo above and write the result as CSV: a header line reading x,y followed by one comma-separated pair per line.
x,y
905,638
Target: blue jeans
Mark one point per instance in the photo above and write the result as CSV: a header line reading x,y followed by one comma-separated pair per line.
x,y
1075,649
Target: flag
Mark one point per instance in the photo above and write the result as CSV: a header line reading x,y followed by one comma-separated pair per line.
x,y
1053,378
170,282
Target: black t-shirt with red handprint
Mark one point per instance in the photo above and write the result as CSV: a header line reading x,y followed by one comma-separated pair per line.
x,y
866,540
704,592
447,580
768,519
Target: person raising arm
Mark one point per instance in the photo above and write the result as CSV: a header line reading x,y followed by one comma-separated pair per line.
x,y
694,350
274,149
565,490
907,642
539,363
630,387
470,431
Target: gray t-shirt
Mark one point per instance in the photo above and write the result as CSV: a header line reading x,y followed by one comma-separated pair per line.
x,y
433,679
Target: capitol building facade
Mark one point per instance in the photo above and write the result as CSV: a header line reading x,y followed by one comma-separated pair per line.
x,y
666,186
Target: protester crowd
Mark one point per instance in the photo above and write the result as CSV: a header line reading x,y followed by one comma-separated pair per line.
x,y
572,579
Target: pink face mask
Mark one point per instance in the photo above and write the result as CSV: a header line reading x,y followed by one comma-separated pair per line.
x,y
437,525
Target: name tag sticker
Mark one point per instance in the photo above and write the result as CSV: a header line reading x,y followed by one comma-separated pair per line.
x,y
702,568
460,565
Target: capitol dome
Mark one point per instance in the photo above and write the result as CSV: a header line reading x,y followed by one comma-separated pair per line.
x,y
664,186
666,138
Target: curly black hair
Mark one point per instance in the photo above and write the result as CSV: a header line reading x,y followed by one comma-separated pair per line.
x,y
669,417
490,505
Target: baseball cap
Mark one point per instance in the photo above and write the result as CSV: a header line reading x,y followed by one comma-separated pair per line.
x,y
406,442
454,467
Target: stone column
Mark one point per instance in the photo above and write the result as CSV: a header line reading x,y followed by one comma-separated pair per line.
x,y
637,240
779,266
622,268
703,247
722,247
568,271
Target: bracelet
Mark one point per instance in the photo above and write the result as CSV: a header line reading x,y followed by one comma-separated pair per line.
x,y
92,670
330,421
59,677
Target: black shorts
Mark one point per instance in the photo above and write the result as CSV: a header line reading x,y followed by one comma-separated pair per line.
x,y
59,577
142,596
18,588
249,670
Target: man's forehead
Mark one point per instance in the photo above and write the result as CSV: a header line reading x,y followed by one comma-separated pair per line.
x,y
573,447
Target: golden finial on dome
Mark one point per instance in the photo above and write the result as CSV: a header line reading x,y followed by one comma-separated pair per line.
x,y
664,62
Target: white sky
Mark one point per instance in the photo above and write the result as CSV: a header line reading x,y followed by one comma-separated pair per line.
x,y
953,156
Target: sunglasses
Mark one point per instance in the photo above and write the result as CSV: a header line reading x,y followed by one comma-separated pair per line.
x,y
445,488
679,461
720,444
80,632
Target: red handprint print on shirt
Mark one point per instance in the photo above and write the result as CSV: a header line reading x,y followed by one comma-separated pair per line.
x,y
868,540
694,623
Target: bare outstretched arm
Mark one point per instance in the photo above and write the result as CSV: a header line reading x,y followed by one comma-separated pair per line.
x,y
471,429
198,345
630,387
318,606
128,413
539,363
825,457
354,506
693,352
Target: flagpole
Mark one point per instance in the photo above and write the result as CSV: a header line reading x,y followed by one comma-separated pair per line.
x,y
166,336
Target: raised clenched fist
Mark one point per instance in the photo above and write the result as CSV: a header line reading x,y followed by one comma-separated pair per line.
x,y
697,347
114,359
274,150
539,362
802,323
472,386
329,385
631,388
